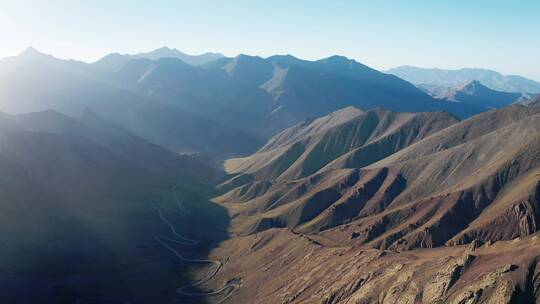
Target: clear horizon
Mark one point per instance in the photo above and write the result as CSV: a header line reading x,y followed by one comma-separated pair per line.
x,y
383,35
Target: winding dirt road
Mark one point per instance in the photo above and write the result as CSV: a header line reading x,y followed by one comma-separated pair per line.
x,y
182,240
165,241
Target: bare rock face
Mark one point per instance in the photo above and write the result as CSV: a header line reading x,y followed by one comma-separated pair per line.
x,y
445,278
475,245
309,272
491,288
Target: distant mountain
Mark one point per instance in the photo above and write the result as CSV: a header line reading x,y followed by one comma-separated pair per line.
x,y
535,100
112,62
436,184
115,61
235,103
267,95
95,129
195,60
35,82
474,92
452,78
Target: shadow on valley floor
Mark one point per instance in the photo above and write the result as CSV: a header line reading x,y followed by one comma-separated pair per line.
x,y
208,223
105,251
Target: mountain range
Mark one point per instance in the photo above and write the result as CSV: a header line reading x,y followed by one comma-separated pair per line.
x,y
239,102
452,78
474,92
276,92
163,177
70,87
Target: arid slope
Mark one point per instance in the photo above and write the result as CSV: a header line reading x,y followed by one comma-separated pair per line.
x,y
303,270
476,179
346,138
450,218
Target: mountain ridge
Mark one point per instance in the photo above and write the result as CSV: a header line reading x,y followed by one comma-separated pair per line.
x,y
115,61
346,134
70,87
245,94
452,78
423,195
474,92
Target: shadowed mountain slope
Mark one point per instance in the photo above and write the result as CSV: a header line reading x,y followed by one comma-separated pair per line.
x,y
70,87
91,127
77,220
267,95
235,103
336,82
476,179
213,94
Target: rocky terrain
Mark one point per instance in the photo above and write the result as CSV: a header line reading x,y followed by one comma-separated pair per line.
x,y
476,179
304,270
348,137
451,216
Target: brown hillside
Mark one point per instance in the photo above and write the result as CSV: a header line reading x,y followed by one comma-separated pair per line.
x,y
476,179
346,138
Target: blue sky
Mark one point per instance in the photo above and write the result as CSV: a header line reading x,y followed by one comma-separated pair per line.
x,y
500,35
